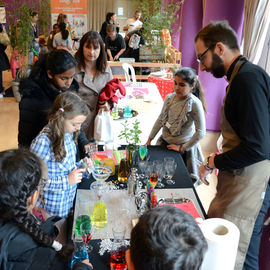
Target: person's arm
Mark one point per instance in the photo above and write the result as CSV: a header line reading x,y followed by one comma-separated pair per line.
x,y
199,122
118,54
69,45
247,110
123,47
54,41
109,54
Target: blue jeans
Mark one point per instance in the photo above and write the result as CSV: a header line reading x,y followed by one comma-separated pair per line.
x,y
252,257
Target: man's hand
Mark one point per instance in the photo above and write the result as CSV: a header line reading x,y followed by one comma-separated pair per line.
x,y
148,142
203,173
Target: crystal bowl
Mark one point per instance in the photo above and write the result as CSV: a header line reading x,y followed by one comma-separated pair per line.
x,y
101,172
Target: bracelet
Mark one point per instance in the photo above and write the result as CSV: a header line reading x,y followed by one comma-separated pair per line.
x,y
206,166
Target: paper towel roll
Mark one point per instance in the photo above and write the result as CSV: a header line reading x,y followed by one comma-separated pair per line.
x,y
222,237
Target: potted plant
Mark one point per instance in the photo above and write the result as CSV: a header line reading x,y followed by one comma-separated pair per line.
x,y
157,16
132,137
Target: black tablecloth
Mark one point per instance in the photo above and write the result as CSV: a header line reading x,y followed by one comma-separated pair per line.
x,y
182,180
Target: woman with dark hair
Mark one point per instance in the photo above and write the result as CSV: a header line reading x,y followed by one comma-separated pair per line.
x,y
25,244
62,39
110,19
92,74
50,76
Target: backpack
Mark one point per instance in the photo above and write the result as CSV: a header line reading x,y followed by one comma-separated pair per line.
x,y
134,41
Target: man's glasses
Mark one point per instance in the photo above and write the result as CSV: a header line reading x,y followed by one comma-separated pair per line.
x,y
200,57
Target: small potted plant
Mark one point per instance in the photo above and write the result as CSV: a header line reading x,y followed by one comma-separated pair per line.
x,y
132,137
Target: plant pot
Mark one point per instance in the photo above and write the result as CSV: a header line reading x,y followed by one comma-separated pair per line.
x,y
15,90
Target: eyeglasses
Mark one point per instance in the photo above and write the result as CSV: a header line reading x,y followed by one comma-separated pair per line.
x,y
200,57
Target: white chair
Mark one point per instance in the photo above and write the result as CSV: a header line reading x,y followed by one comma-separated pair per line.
x,y
127,67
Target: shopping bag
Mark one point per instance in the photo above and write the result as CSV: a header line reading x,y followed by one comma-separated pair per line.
x,y
103,130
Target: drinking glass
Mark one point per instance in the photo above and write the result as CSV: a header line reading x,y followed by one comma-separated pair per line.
x,y
143,151
118,258
100,173
142,166
86,234
170,167
159,167
115,112
124,170
80,252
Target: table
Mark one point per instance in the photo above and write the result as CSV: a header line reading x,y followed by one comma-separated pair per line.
x,y
183,183
148,109
165,86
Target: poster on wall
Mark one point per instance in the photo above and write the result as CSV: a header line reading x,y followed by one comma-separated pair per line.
x,y
2,14
76,11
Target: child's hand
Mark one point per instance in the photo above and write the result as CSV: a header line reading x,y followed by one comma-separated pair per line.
x,y
174,147
75,176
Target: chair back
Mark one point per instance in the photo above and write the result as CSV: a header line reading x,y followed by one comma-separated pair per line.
x,y
127,67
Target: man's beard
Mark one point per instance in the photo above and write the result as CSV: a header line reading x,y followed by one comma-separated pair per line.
x,y
217,68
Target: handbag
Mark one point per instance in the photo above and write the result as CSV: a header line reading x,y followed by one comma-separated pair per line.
x,y
103,130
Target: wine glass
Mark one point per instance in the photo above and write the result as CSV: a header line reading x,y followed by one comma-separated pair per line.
x,y
142,166
100,173
86,234
170,167
158,165
142,151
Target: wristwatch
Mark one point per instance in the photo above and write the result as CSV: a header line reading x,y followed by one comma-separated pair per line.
x,y
206,164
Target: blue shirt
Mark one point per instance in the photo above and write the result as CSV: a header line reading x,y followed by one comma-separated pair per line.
x,y
57,195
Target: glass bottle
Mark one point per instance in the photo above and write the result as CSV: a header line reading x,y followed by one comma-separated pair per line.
x,y
99,215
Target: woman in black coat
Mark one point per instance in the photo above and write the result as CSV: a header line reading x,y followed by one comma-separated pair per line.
x,y
50,76
4,63
110,19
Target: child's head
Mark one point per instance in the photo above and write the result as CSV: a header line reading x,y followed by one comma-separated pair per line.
x,y
185,82
166,238
67,115
92,50
58,67
42,42
56,28
111,31
21,173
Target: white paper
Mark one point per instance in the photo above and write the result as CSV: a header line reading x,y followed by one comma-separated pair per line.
x,y
120,11
222,237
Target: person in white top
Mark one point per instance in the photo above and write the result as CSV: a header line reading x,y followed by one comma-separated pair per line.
x,y
134,22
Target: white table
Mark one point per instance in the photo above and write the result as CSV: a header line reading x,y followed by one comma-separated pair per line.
x,y
148,110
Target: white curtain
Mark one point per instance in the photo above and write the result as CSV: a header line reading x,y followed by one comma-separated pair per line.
x,y
97,10
256,23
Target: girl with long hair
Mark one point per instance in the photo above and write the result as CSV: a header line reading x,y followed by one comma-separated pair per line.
x,y
62,39
25,243
56,146
182,120
92,74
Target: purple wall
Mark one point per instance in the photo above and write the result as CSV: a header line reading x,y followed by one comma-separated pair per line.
x,y
192,19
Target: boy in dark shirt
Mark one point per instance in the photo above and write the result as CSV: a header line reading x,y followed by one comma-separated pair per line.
x,y
114,42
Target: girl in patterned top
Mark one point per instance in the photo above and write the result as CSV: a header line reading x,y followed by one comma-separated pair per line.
x,y
56,146
182,120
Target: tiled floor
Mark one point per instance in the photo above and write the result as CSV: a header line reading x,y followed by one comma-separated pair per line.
x,y
9,116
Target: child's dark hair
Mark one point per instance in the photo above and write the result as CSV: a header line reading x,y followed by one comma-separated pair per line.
x,y
57,61
92,37
66,106
189,75
167,238
64,31
20,175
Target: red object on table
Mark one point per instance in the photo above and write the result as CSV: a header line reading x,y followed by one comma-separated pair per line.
x,y
164,86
